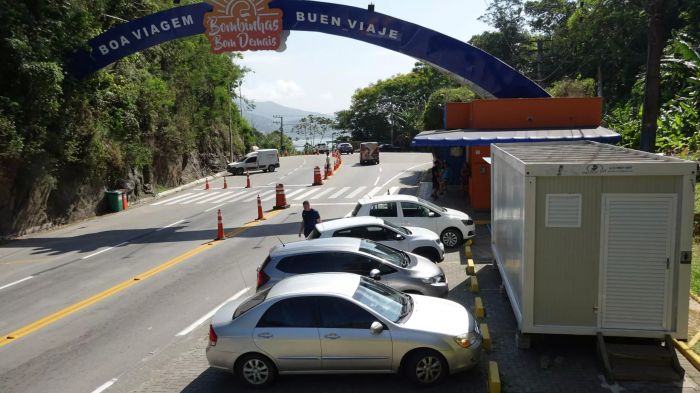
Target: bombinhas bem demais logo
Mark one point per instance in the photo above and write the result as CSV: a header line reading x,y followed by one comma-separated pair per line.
x,y
240,25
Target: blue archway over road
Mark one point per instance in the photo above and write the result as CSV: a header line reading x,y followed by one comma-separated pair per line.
x,y
487,75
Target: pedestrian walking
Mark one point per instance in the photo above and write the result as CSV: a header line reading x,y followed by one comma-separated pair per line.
x,y
328,162
445,176
435,177
309,219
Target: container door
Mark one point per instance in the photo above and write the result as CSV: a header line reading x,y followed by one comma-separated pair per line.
x,y
636,253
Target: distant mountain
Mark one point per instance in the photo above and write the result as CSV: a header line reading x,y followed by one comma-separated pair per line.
x,y
261,117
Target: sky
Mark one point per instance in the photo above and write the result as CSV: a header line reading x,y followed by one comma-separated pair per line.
x,y
320,72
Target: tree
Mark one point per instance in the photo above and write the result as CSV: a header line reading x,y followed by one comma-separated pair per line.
x,y
433,114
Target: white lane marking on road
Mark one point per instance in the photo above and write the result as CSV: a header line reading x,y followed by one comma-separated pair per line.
x,y
288,173
105,250
184,196
394,190
212,208
210,199
374,191
210,314
16,282
105,386
324,192
339,193
230,195
402,172
357,191
171,225
378,176
262,195
306,194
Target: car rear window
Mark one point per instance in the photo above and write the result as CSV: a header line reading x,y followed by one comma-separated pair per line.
x,y
356,209
250,303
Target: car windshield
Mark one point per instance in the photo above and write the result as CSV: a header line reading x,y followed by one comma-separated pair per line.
x,y
387,302
397,228
432,205
396,257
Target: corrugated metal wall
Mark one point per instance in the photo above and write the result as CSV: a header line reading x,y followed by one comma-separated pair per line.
x,y
567,260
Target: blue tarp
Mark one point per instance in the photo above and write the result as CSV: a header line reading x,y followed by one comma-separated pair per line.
x,y
471,137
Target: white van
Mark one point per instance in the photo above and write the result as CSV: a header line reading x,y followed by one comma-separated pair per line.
x,y
266,160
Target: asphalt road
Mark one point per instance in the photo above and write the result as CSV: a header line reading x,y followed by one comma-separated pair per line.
x,y
90,305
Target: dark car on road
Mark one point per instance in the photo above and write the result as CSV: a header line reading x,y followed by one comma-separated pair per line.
x,y
388,147
345,148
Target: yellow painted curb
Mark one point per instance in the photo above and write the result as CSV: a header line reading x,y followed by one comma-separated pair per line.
x,y
482,222
689,354
494,378
486,336
474,284
479,310
468,251
470,267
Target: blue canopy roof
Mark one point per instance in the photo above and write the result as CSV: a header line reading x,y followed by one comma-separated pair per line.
x,y
471,137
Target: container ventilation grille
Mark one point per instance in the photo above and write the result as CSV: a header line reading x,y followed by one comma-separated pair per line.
x,y
563,211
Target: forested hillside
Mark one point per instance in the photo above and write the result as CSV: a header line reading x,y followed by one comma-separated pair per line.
x,y
155,119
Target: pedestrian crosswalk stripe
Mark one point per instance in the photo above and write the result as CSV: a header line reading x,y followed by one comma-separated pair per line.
x,y
304,195
339,193
228,196
195,198
172,199
255,197
374,191
393,190
357,191
211,198
239,197
324,192
291,194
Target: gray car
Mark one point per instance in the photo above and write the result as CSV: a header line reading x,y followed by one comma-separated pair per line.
x,y
342,323
401,270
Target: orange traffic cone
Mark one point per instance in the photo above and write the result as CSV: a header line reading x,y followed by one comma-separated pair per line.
x,y
260,212
317,177
206,184
247,180
125,201
219,227
225,184
281,202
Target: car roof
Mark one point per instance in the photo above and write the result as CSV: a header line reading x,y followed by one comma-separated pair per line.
x,y
316,284
388,198
307,246
342,223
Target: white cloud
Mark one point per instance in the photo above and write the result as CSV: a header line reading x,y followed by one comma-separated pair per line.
x,y
280,91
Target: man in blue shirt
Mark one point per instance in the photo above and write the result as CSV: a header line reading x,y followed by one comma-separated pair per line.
x,y
310,218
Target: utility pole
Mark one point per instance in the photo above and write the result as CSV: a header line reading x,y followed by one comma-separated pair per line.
x,y
539,60
281,123
230,130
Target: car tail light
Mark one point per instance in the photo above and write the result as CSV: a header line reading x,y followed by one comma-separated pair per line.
x,y
262,278
212,336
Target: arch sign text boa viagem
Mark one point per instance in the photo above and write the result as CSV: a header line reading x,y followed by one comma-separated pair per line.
x,y
243,25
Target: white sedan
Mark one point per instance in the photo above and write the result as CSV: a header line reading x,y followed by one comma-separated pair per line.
x,y
453,225
415,240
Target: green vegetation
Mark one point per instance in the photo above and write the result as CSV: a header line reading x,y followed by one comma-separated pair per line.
x,y
161,116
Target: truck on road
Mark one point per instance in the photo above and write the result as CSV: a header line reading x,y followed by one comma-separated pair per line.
x,y
369,153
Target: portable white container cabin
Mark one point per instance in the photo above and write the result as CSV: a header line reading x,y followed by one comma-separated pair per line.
x,y
591,238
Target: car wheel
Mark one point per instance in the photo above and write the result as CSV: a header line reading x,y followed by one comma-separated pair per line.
x,y
256,370
427,252
271,168
451,237
239,171
425,367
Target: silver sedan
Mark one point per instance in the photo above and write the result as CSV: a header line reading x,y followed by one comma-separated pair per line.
x,y
342,323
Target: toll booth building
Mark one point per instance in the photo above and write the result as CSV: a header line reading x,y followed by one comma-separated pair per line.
x,y
471,127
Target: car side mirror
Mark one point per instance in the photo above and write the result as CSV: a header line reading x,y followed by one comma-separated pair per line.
x,y
375,274
399,237
431,214
376,327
